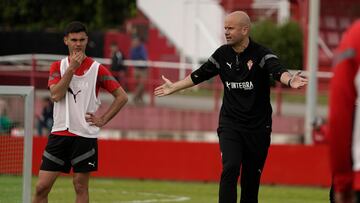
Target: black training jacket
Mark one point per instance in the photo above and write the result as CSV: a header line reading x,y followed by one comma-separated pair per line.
x,y
246,79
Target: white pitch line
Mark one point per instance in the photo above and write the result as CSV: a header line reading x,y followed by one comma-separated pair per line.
x,y
163,198
159,196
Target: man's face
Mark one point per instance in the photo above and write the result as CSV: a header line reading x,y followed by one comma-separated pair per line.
x,y
76,42
135,42
235,32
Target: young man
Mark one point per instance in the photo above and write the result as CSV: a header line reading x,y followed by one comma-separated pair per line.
x,y
245,118
344,118
74,84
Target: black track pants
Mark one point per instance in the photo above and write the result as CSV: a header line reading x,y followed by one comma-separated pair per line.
x,y
247,151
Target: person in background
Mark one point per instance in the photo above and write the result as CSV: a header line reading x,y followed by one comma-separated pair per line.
x,y
45,120
320,131
74,84
138,53
117,64
6,124
344,117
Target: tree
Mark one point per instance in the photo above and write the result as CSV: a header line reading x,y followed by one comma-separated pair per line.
x,y
35,15
285,40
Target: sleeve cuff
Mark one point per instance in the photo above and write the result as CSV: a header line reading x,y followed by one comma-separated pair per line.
x,y
195,77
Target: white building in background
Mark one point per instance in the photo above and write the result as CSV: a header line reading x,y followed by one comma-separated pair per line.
x,y
195,27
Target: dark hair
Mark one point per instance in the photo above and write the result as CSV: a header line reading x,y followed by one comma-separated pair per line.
x,y
75,27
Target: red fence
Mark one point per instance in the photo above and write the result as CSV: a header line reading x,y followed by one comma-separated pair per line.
x,y
169,119
166,160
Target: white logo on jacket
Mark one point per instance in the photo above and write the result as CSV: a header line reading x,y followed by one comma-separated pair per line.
x,y
247,85
229,64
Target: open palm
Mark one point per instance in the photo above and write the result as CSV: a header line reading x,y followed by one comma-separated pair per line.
x,y
297,81
164,89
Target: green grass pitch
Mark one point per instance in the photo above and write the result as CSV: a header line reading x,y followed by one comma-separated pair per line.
x,y
148,191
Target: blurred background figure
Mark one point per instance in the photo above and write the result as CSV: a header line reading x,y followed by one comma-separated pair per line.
x,y
344,118
138,52
45,120
320,131
117,64
5,122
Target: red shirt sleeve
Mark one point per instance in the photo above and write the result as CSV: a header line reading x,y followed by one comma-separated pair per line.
x,y
54,73
106,80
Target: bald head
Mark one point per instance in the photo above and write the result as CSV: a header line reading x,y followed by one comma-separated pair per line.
x,y
239,17
237,29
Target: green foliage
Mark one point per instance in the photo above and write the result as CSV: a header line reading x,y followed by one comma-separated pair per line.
x,y
36,15
285,40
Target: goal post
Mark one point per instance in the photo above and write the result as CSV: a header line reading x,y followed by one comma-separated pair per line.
x,y
27,92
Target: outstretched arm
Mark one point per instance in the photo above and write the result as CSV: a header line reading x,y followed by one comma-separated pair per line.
x,y
294,81
168,87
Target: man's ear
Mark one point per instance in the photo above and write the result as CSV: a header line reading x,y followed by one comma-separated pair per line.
x,y
246,30
66,41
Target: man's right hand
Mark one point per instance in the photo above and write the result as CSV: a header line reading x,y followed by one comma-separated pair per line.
x,y
76,58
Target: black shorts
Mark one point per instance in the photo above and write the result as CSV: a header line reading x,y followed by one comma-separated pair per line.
x,y
65,152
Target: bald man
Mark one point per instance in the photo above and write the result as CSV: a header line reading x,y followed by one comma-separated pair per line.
x,y
245,121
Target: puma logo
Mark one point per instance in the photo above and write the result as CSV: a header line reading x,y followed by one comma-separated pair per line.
x,y
74,95
229,64
92,164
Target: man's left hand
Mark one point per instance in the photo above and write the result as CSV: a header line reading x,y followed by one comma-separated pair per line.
x,y
298,81
93,120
